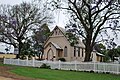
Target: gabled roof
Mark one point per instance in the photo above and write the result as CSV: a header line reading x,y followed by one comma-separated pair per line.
x,y
60,28
80,44
55,45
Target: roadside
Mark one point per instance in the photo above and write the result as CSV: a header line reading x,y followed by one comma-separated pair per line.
x,y
4,78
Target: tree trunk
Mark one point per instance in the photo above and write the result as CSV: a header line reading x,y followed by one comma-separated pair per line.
x,y
41,56
42,51
88,51
19,48
88,47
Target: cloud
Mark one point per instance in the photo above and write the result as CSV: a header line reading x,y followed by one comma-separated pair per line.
x,y
12,2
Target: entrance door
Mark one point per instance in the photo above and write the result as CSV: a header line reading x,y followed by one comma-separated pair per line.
x,y
50,54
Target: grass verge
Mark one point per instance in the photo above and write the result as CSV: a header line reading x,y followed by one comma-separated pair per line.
x,y
49,74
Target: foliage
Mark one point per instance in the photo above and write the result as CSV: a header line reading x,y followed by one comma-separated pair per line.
x,y
118,50
72,38
91,19
112,53
102,46
62,59
106,57
49,74
27,50
39,37
45,66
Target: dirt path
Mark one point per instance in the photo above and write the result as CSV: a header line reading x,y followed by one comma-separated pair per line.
x,y
4,78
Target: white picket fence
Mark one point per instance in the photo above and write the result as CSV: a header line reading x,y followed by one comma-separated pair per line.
x,y
79,66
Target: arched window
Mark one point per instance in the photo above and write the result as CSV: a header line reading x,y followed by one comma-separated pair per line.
x,y
65,51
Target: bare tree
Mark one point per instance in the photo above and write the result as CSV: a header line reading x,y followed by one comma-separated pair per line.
x,y
17,21
89,18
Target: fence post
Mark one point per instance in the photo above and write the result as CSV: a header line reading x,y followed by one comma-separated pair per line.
x,y
18,63
94,67
33,61
75,65
45,61
104,65
4,61
59,64
10,61
118,68
27,61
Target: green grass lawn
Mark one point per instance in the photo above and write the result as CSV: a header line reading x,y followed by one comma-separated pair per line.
x,y
48,74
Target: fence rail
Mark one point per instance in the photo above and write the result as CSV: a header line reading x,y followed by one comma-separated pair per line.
x,y
79,66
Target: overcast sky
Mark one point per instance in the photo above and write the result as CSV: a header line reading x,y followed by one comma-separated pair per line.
x,y
12,2
59,17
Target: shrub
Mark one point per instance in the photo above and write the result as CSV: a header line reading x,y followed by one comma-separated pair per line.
x,y
62,59
23,57
45,66
91,71
107,72
56,69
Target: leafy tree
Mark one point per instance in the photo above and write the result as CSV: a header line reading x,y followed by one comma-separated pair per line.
x,y
112,53
17,21
27,50
89,18
39,37
102,46
118,50
106,57
72,38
